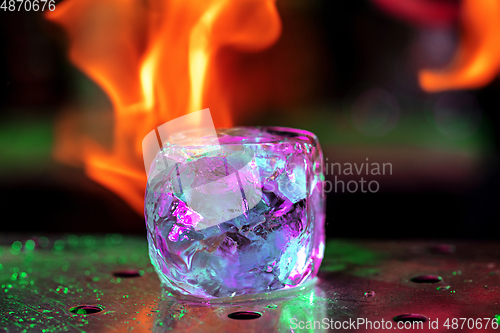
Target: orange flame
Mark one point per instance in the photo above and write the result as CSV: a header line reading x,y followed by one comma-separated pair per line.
x,y
477,61
156,61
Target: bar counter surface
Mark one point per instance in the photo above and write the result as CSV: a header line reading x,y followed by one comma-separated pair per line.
x,y
106,283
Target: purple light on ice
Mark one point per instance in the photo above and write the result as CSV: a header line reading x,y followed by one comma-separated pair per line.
x,y
247,217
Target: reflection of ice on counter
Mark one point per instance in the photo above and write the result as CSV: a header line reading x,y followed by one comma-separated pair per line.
x,y
283,311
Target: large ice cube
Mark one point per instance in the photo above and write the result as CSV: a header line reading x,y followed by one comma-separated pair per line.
x,y
243,217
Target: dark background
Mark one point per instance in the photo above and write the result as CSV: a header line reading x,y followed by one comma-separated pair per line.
x,y
333,59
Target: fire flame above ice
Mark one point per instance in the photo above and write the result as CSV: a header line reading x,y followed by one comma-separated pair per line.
x,y
155,59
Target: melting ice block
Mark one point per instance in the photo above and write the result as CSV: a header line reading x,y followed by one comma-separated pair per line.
x,y
239,215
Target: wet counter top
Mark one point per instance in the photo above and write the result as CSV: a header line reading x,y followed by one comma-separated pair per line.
x,y
106,283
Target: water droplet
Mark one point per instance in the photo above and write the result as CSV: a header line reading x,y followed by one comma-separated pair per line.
x,y
272,306
443,288
426,279
369,294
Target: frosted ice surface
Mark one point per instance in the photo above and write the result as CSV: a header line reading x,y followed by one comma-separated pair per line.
x,y
246,218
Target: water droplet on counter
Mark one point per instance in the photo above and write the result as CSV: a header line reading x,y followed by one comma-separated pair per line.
x,y
443,288
369,294
426,279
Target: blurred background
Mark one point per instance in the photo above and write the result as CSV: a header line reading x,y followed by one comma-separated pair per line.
x,y
414,83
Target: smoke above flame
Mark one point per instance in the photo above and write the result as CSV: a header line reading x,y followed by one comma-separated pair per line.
x,y
156,60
